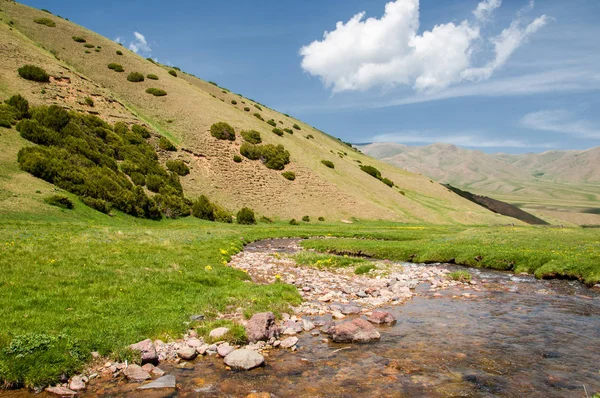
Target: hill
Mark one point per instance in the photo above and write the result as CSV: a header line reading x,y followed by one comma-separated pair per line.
x,y
77,61
560,186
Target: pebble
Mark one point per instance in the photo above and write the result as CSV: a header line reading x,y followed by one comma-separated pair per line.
x,y
289,342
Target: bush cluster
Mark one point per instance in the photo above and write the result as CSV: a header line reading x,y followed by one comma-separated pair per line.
x,y
100,205
116,67
245,216
166,145
34,73
251,136
59,201
152,76
289,175
222,131
135,77
374,172
277,131
328,163
78,39
204,209
45,21
19,105
296,127
258,116
272,123
177,166
140,130
172,73
288,130
157,92
273,157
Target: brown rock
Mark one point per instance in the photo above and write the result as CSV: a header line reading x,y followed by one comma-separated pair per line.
x,y
136,373
380,317
147,351
261,327
61,391
355,331
187,353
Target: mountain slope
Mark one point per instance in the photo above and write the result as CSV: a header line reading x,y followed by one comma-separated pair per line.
x,y
185,115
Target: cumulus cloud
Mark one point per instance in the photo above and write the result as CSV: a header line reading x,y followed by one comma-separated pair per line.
x,y
460,139
560,121
387,52
139,45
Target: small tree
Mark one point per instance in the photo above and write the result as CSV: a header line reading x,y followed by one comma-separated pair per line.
x,y
203,209
246,216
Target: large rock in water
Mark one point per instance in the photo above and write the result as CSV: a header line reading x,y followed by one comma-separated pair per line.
x,y
380,317
355,331
167,381
136,373
261,327
147,351
244,359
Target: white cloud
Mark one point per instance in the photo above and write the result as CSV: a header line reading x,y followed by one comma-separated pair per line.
x,y
119,39
459,139
386,52
139,44
560,121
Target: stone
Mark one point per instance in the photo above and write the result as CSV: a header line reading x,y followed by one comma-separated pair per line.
x,y
261,327
225,349
350,309
259,395
147,351
244,359
62,391
185,366
289,331
289,342
218,333
187,353
158,372
136,373
194,342
380,317
355,331
77,383
167,381
338,315
202,349
307,325
148,367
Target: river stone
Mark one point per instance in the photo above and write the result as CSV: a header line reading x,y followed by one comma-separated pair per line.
x,y
225,349
147,351
244,359
167,381
261,327
218,333
62,391
136,373
380,317
77,383
355,331
194,342
187,353
148,367
289,342
350,309
158,372
307,325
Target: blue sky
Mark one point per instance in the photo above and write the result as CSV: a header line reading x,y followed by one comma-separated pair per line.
x,y
509,76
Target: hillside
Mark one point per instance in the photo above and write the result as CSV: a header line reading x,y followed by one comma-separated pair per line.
x,y
185,115
558,185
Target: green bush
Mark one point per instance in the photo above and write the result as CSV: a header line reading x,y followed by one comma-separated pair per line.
x,y
177,69
213,83
222,131
321,218
78,39
272,123
372,171
178,166
203,209
273,157
152,76
222,215
34,73
258,116
138,179
296,127
59,201
245,216
277,131
258,107
135,77
294,222
97,204
20,105
45,21
328,163
89,101
289,175
310,136
387,182
266,220
116,67
88,45
140,130
233,102
288,130
157,92
154,182
246,109
116,70
251,136
237,158
151,60
119,52
87,52
172,73
166,145
306,219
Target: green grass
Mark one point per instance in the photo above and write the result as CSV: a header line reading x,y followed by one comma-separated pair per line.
x,y
364,269
461,276
325,261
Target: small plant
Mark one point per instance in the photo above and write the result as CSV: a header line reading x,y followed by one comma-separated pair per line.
x,y
78,39
233,102
258,107
135,77
177,166
387,182
288,130
59,201
372,171
328,163
237,158
258,116
294,222
89,102
246,109
172,73
460,276
364,269
272,123
245,216
277,131
251,136
166,145
119,52
296,127
120,70
152,76
289,175
88,45
274,157
87,52
45,21
151,60
266,220
116,67
309,137
34,73
321,218
222,131
157,92
213,83
306,219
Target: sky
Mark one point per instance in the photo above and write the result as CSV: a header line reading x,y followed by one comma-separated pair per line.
x,y
511,76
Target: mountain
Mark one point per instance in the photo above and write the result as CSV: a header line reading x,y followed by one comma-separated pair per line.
x,y
78,60
560,185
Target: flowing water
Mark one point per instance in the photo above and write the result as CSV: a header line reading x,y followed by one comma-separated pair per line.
x,y
517,337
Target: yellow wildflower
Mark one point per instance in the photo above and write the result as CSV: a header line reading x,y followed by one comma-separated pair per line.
x,y
208,268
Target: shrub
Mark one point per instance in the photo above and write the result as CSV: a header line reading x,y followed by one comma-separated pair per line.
x,y
140,130
278,132
461,276
97,204
116,70
116,67
321,218
53,117
172,73
233,102
222,131
258,116
177,166
88,45
203,209
151,60
289,175
89,101
152,76
245,216
272,123
166,145
294,222
246,109
328,163
34,73
119,52
237,159
273,157
213,83
372,171
266,220
288,130
364,269
78,39
258,107
296,127
154,182
310,136
306,219
157,92
45,21
387,182
222,215
251,136
87,52
59,201
138,179
20,104
135,77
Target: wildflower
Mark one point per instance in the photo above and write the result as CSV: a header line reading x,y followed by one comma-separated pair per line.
x,y
208,268
278,277
223,251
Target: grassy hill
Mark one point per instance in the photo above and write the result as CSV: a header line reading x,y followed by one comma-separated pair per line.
x,y
79,70
559,186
